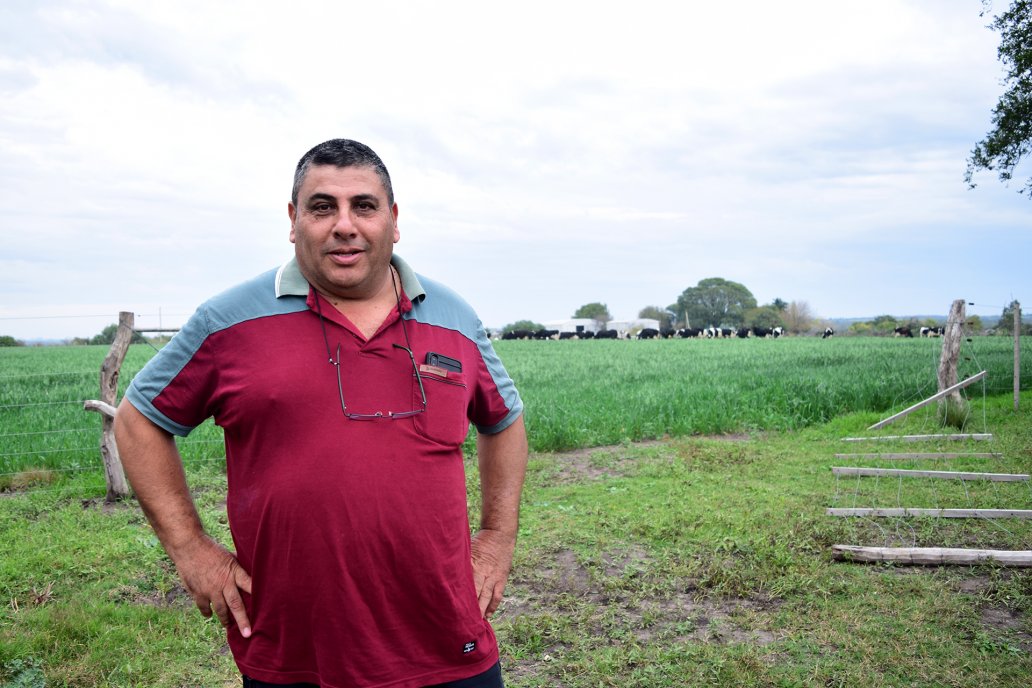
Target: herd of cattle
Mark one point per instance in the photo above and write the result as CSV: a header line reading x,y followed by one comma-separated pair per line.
x,y
696,333
652,333
924,331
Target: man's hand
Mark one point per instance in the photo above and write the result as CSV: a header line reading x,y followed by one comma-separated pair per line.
x,y
492,559
214,578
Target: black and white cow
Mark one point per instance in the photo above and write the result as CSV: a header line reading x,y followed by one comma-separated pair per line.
x,y
648,333
777,331
932,331
828,332
903,332
518,334
690,332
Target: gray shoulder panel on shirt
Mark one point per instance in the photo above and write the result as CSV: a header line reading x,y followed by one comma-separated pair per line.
x,y
245,302
443,307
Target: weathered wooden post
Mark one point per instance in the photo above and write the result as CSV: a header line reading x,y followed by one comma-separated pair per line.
x,y
951,338
117,486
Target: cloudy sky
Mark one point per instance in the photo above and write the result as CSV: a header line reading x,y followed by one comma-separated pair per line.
x,y
544,154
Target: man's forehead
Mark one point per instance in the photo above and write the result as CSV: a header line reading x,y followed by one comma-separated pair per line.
x,y
358,179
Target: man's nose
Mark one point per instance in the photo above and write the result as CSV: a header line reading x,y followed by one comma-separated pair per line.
x,y
344,227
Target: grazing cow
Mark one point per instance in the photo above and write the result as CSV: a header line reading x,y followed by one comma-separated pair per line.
x,y
568,335
648,333
903,332
606,334
518,334
932,331
586,334
762,331
691,332
777,332
743,332
667,333
546,334
828,332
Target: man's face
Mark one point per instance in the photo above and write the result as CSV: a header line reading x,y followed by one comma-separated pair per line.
x,y
343,231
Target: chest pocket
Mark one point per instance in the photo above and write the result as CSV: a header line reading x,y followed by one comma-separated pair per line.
x,y
447,400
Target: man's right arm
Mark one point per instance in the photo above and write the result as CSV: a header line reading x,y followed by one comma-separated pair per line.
x,y
154,468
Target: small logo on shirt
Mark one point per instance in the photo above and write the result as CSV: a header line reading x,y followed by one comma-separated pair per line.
x,y
469,647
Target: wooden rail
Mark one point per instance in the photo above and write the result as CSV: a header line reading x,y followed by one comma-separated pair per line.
x,y
935,397
934,513
945,475
933,556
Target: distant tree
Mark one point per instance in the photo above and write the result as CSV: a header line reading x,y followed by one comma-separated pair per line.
x,y
974,325
779,304
798,317
1005,325
1010,140
7,340
664,316
764,316
715,301
599,312
107,336
523,325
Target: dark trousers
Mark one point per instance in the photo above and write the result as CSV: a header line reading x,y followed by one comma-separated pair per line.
x,y
492,678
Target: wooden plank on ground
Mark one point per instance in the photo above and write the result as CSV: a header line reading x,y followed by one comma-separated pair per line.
x,y
933,556
935,397
944,475
921,455
934,513
955,437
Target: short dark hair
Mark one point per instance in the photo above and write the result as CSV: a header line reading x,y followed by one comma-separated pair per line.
x,y
341,153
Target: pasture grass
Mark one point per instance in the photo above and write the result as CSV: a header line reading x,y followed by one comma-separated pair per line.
x,y
686,561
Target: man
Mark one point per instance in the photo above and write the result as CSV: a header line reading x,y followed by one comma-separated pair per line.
x,y
345,384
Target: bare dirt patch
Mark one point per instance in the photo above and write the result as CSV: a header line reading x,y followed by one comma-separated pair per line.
x,y
1007,625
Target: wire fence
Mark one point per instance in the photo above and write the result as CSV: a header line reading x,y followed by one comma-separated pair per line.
x,y
44,430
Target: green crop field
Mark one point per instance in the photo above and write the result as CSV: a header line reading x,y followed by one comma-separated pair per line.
x,y
577,393
703,558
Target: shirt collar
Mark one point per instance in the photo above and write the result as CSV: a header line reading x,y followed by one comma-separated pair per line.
x,y
290,281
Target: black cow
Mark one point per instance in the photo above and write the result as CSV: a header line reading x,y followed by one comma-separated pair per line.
x,y
586,334
518,334
667,333
606,334
762,332
743,332
648,333
546,334
568,335
903,332
690,332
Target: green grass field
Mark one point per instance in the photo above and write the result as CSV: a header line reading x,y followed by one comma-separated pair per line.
x,y
702,558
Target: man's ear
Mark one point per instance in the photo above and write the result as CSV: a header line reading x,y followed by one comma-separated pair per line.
x,y
292,213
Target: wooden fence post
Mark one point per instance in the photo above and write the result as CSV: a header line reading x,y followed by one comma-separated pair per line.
x,y
117,486
1017,353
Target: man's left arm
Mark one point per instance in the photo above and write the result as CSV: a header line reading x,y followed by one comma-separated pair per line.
x,y
502,458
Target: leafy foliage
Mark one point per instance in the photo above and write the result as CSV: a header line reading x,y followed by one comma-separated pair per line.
x,y
107,336
664,316
523,325
715,301
595,311
1005,325
1010,140
8,340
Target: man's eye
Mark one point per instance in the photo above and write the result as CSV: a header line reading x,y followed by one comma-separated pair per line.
x,y
322,208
